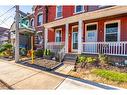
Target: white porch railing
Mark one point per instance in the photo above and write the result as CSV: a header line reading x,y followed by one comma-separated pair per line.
x,y
55,46
109,48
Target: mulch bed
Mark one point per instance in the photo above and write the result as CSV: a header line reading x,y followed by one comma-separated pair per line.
x,y
45,63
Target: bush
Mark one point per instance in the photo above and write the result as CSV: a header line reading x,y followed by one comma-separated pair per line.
x,y
90,60
111,75
103,58
39,53
81,59
23,51
6,49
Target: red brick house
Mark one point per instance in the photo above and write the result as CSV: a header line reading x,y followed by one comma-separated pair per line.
x,y
87,29
39,19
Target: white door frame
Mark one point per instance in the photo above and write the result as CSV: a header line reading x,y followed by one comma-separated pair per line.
x,y
73,50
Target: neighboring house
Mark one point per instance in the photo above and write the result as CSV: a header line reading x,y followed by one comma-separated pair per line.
x,y
87,29
39,19
4,35
25,30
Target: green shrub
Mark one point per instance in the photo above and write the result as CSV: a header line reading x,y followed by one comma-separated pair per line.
x,y
103,58
81,59
39,53
111,75
23,51
6,49
90,60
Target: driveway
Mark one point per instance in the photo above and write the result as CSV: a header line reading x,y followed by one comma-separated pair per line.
x,y
18,76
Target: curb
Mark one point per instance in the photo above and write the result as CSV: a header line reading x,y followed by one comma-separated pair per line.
x,y
5,84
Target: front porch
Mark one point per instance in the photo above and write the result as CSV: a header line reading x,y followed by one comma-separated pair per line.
x,y
89,34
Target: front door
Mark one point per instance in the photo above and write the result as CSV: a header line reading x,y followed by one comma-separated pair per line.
x,y
74,41
91,36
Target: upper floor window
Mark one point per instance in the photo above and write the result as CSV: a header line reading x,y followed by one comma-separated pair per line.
x,y
79,9
39,19
32,22
58,11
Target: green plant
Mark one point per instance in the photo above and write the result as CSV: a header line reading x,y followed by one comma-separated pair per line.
x,y
103,58
81,59
23,51
6,49
39,53
90,60
111,75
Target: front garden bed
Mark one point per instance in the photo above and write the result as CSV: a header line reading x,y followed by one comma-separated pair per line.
x,y
45,63
100,70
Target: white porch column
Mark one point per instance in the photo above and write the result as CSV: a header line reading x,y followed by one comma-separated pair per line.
x,y
66,37
80,30
46,37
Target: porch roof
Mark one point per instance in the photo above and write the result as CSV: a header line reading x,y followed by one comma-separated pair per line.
x,y
110,11
23,30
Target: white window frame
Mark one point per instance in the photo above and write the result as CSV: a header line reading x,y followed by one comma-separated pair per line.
x,y
94,23
119,30
42,18
57,12
61,33
80,11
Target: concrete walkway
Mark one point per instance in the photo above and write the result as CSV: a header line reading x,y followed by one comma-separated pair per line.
x,y
19,76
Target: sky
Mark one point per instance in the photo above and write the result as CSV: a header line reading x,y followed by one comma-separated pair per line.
x,y
7,19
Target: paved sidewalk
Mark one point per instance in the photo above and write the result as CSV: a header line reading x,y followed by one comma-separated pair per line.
x,y
19,76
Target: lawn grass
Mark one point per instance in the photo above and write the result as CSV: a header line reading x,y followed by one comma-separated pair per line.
x,y
111,75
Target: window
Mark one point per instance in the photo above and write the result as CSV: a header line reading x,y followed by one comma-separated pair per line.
x,y
39,19
91,27
79,9
58,35
32,23
58,11
111,32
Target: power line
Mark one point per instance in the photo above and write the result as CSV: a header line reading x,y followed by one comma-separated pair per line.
x,y
3,21
7,11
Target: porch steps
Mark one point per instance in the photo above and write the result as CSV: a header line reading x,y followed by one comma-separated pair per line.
x,y
70,59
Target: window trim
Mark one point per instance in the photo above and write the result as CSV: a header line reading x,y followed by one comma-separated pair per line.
x,y
40,13
57,11
55,34
80,11
119,30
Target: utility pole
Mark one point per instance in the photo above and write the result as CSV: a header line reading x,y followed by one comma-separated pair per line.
x,y
17,34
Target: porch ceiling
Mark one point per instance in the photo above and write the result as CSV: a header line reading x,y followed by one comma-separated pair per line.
x,y
115,10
